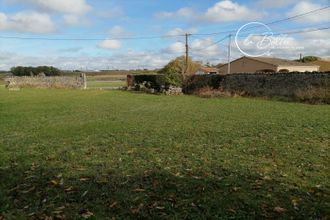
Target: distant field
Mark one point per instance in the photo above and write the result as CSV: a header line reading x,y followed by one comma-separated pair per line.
x,y
113,154
106,77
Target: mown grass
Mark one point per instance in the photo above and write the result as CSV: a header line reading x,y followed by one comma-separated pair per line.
x,y
100,154
105,84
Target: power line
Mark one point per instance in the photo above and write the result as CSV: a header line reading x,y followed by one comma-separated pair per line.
x,y
269,23
303,31
215,43
292,32
299,15
157,37
91,39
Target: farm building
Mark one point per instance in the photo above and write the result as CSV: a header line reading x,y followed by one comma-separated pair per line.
x,y
206,70
266,64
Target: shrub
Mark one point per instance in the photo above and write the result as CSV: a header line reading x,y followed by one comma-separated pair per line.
x,y
209,92
314,95
174,71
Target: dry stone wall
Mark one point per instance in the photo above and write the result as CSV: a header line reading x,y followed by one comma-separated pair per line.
x,y
78,82
286,84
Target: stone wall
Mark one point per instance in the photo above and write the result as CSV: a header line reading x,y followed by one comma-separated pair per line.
x,y
261,84
15,82
276,84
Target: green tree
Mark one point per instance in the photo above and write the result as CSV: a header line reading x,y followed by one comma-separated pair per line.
x,y
307,59
175,71
34,71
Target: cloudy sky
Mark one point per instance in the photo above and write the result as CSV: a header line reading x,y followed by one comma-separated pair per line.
x,y
131,34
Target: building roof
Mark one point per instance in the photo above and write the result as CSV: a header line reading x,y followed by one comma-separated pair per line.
x,y
273,61
324,65
279,62
208,69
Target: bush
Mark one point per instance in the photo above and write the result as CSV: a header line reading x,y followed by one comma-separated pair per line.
x,y
174,71
34,71
314,95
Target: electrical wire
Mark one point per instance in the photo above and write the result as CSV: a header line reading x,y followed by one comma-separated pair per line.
x,y
269,23
158,37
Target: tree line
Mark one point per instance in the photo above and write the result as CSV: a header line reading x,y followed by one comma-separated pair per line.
x,y
35,71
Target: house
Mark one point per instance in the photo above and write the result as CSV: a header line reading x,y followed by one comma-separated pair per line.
x,y
206,70
266,64
324,65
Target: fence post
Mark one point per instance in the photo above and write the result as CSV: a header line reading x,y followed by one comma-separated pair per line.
x,y
84,78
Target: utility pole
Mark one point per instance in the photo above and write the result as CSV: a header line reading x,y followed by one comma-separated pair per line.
x,y
229,54
187,52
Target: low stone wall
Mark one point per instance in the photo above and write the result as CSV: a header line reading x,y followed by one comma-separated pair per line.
x,y
286,84
260,84
173,91
15,82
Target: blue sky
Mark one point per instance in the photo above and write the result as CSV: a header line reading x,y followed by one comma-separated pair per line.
x,y
111,20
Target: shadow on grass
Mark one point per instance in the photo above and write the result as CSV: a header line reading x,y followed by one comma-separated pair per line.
x,y
40,193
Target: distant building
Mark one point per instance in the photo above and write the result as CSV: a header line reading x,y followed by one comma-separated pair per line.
x,y
266,64
207,70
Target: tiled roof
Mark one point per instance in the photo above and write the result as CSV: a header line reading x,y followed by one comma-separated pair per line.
x,y
208,69
279,62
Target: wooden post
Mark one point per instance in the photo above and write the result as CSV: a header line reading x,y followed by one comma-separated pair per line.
x,y
83,75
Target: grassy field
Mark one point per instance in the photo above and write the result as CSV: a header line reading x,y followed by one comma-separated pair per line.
x,y
105,84
95,81
114,154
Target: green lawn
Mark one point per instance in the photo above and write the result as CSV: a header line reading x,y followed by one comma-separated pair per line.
x,y
105,84
104,154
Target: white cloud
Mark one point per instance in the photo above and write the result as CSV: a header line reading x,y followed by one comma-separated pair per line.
x,y
32,22
128,60
222,11
323,34
175,48
204,50
205,47
227,10
200,49
286,46
118,31
76,7
180,31
275,4
183,12
71,10
71,19
110,44
304,6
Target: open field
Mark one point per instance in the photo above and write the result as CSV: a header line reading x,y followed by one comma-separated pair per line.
x,y
106,77
105,84
74,154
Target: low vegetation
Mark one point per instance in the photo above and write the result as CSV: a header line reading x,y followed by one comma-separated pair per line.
x,y
35,71
314,95
98,154
176,73
105,84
